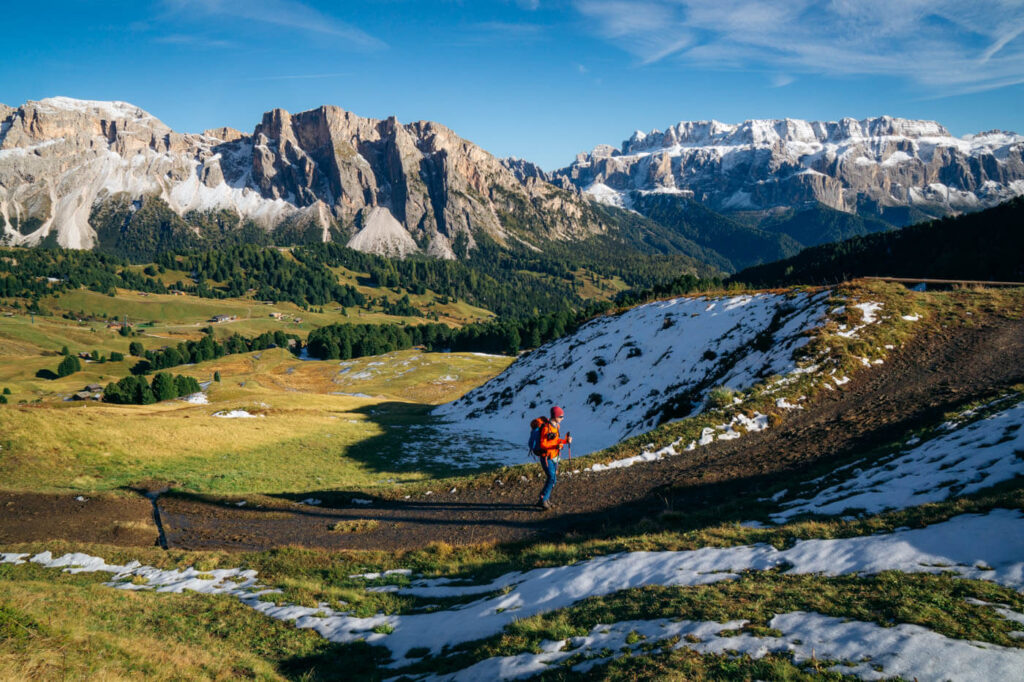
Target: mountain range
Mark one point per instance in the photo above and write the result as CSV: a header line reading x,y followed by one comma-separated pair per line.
x,y
85,174
889,168
77,169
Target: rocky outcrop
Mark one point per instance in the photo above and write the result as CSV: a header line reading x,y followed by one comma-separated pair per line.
x,y
60,158
868,166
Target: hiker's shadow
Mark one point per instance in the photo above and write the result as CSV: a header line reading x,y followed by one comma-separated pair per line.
x,y
412,439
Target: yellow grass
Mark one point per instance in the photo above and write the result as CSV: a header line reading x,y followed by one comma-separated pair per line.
x,y
604,288
89,631
298,441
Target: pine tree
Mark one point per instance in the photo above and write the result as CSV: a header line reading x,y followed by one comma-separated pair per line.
x,y
186,385
142,393
163,387
216,377
69,365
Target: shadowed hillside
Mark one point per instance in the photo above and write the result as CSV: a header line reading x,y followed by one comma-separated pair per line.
x,y
988,245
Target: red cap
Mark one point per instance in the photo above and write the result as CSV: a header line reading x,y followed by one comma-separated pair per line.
x,y
557,412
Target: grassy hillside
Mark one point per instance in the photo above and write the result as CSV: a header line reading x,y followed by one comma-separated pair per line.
x,y
612,616
758,582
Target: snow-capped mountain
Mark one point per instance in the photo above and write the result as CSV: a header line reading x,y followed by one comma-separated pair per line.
x,y
863,167
381,185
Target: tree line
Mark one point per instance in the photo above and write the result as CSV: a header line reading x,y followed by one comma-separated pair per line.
x,y
508,336
207,348
134,390
36,272
267,272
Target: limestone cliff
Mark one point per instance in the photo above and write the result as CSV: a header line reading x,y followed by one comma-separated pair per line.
x,y
61,158
874,167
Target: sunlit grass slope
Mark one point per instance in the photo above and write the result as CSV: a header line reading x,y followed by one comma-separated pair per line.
x,y
307,417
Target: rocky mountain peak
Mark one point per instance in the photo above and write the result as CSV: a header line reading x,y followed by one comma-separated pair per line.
x,y
325,169
224,134
868,166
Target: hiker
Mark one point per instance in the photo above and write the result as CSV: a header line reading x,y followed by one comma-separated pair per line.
x,y
547,449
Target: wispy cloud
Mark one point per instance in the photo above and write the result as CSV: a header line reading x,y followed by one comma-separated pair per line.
x,y
192,40
649,30
950,44
487,33
508,29
289,14
299,76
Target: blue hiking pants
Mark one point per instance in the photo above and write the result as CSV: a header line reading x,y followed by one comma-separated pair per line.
x,y
550,467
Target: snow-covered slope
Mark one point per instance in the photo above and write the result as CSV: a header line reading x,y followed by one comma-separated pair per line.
x,y
856,166
957,460
621,376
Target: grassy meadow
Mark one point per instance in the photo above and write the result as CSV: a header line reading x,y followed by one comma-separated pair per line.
x,y
308,413
307,416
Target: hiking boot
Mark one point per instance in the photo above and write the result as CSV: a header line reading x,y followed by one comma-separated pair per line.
x,y
545,505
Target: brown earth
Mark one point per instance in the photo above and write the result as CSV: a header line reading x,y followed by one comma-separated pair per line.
x,y
106,519
933,374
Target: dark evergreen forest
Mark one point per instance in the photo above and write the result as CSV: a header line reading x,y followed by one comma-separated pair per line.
x,y
988,245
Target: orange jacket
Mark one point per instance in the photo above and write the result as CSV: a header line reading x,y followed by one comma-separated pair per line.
x,y
550,443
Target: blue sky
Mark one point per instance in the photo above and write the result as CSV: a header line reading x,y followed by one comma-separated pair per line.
x,y
538,79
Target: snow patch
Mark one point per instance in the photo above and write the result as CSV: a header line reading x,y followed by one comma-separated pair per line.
x,y
236,414
864,650
961,461
989,547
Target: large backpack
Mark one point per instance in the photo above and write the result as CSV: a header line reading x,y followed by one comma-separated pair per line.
x,y
536,426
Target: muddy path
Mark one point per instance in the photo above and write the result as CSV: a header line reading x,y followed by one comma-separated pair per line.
x,y
936,373
105,519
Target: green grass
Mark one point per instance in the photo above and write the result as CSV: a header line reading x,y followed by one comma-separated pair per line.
x,y
57,626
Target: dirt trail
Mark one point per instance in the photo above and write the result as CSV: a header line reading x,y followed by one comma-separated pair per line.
x,y
931,375
106,519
